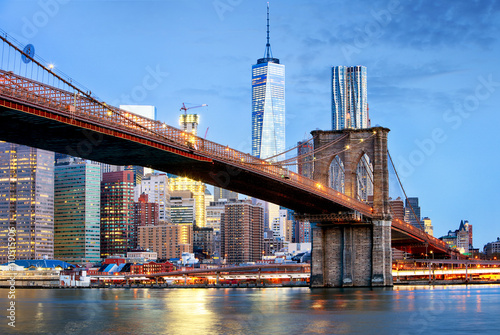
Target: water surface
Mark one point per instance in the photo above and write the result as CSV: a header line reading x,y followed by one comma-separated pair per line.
x,y
399,310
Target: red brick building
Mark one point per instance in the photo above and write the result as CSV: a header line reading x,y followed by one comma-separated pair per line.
x,y
151,267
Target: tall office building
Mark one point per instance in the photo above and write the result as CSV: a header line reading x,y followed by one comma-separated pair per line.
x,y
349,98
145,214
242,232
27,201
117,212
268,104
77,201
412,212
198,190
183,208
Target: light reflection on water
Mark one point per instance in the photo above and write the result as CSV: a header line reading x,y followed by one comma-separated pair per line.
x,y
399,310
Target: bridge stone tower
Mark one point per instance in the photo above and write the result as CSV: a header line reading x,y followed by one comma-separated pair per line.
x,y
347,251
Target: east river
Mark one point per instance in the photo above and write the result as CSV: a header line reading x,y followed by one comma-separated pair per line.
x,y
473,309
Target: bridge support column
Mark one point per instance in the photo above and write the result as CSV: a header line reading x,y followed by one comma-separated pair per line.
x,y
351,255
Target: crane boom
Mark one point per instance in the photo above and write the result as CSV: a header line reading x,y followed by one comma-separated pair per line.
x,y
185,109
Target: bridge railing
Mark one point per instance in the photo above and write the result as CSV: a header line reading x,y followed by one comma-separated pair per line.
x,y
419,233
74,105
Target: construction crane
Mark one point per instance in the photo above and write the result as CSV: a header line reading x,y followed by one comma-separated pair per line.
x,y
185,109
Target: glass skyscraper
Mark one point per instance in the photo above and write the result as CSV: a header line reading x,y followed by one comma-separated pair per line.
x,y
77,194
268,104
349,98
27,201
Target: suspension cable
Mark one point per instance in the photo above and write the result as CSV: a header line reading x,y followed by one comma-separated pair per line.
x,y
406,197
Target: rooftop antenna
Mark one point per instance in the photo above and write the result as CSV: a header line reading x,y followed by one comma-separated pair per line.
x,y
269,53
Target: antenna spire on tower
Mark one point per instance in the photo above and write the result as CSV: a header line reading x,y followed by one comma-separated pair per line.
x,y
269,53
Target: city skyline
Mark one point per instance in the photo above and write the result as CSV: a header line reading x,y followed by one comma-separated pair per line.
x,y
433,98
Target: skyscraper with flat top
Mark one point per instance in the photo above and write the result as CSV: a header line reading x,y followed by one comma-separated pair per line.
x,y
268,104
26,201
349,98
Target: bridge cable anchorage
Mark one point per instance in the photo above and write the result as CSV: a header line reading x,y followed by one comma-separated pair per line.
x,y
406,197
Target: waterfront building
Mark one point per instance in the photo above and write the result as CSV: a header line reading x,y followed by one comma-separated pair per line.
x,y
143,255
242,227
168,240
459,238
268,104
77,206
349,98
117,212
198,190
155,186
27,201
151,267
492,248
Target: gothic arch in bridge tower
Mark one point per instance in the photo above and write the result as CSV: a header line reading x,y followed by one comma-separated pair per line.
x,y
336,176
364,178
347,251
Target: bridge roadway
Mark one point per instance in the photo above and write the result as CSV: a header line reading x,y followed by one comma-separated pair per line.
x,y
46,117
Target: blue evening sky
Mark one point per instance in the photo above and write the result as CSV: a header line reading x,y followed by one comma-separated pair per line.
x,y
433,76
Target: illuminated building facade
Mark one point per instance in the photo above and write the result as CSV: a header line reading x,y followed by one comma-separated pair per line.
x,y
189,123
242,232
198,190
183,207
27,201
169,241
117,212
428,226
77,201
145,213
268,104
155,186
349,98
